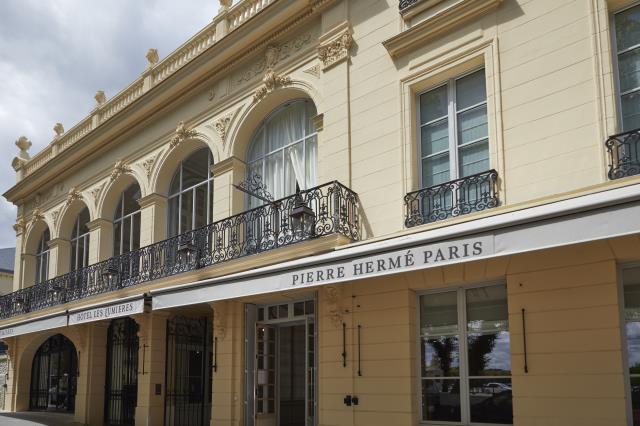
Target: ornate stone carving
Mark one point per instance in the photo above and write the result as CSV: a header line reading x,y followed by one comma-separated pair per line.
x,y
271,82
336,50
73,195
334,304
314,71
100,98
119,169
36,215
58,129
147,164
222,125
55,215
182,133
96,191
152,57
19,226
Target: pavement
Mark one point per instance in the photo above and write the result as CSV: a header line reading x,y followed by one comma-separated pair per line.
x,y
37,418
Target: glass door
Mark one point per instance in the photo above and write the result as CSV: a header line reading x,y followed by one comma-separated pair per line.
x,y
310,377
265,376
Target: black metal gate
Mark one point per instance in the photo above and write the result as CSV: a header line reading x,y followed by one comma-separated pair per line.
x,y
122,372
53,376
188,372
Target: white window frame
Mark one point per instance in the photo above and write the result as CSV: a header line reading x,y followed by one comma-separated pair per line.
x,y
452,117
42,259
615,53
623,335
121,219
465,406
75,239
192,189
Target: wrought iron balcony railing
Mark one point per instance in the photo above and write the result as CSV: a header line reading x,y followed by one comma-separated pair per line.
x,y
330,209
461,196
624,154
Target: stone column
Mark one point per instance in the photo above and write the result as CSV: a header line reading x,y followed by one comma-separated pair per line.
x,y
11,382
227,405
228,200
19,227
151,361
100,240
153,219
59,257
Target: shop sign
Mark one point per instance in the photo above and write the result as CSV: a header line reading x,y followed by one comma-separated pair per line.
x,y
124,309
33,326
393,262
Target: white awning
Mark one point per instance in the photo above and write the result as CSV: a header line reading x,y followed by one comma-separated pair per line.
x,y
107,310
592,217
34,325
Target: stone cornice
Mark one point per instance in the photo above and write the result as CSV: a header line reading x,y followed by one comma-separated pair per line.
x,y
97,223
441,22
151,199
226,165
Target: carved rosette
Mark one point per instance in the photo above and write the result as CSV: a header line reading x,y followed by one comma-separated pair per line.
x,y
271,82
182,133
336,50
119,169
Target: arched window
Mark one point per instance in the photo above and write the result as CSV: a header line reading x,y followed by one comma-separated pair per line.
x,y
126,221
42,257
284,149
191,193
80,241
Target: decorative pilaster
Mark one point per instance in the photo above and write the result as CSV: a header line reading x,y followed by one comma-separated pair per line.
x,y
153,219
59,257
227,200
100,240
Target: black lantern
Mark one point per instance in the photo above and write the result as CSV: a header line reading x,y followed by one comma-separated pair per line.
x,y
55,289
110,272
186,249
302,217
19,302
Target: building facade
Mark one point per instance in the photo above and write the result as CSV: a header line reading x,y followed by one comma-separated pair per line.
x,y
344,212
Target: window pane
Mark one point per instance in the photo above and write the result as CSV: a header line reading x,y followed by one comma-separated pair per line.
x,y
294,168
631,111
435,137
439,314
435,170
173,216
635,400
311,153
487,309
131,197
472,125
126,235
433,104
633,346
440,357
136,231
186,211
631,279
629,65
117,230
628,28
73,254
80,261
489,354
195,168
201,206
491,401
311,112
286,126
471,90
274,171
441,400
474,158
257,147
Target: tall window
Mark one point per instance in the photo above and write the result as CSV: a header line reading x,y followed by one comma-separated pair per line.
x,y
631,280
283,151
453,130
80,241
126,221
191,193
42,257
465,356
627,40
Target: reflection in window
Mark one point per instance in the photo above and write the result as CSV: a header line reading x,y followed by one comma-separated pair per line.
x,y
191,193
42,257
126,221
627,37
466,364
80,241
631,280
283,151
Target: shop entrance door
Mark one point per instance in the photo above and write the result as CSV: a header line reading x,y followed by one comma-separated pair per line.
x,y
283,370
122,372
53,376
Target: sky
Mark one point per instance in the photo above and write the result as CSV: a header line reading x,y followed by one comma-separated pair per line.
x,y
55,55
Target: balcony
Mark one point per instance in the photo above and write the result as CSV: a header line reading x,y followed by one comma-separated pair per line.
x,y
455,198
324,210
405,4
624,154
